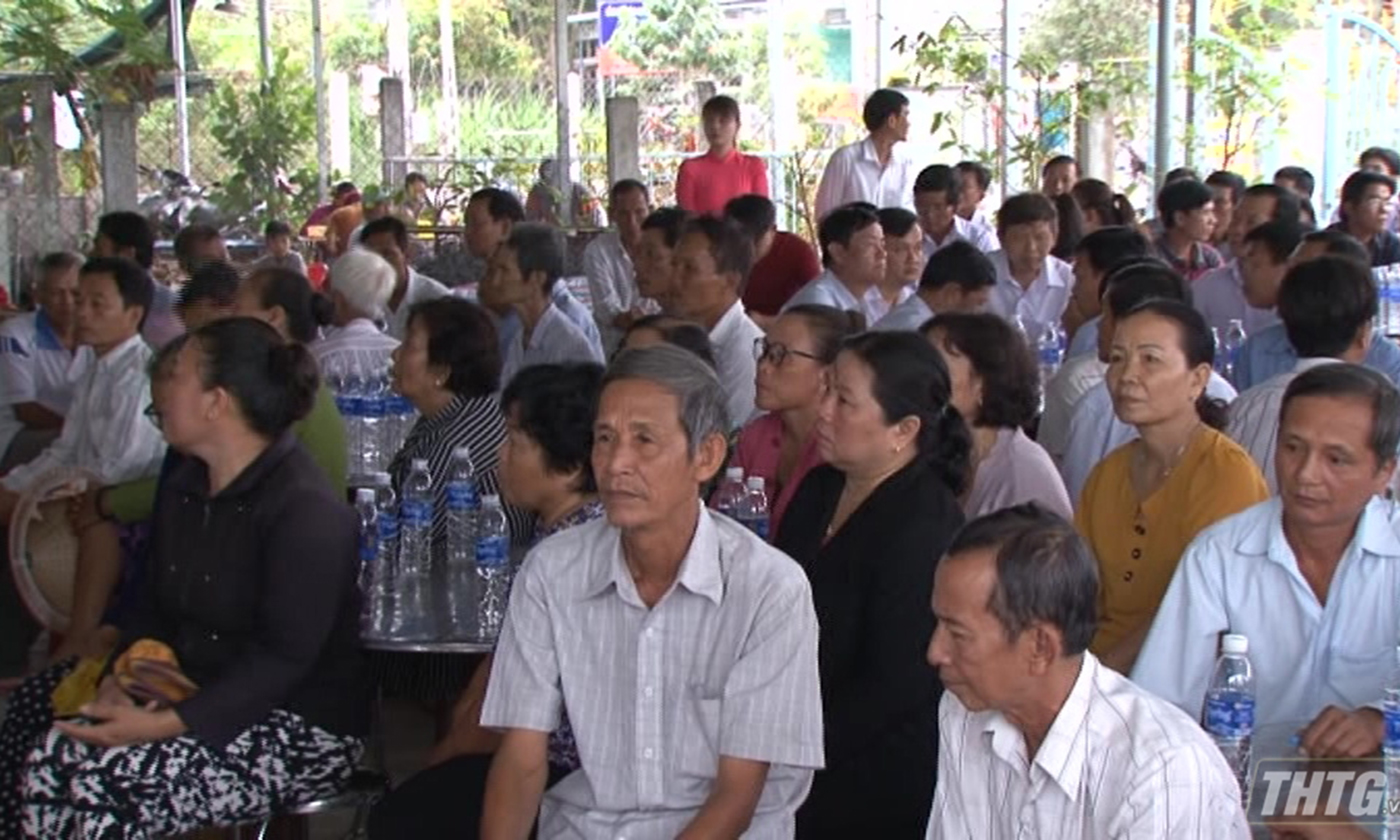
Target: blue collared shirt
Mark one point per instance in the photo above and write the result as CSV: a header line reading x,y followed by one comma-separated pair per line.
x,y
508,325
1086,339
1240,576
1268,353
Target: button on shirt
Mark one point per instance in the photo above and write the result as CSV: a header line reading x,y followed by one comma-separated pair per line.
x,y
1219,297
420,288
612,283
854,174
35,367
106,431
554,340
1241,576
1254,417
909,315
724,664
982,237
732,341
1268,353
826,290
1116,763
359,343
1040,305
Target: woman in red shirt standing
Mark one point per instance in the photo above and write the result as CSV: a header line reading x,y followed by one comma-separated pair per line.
x,y
706,183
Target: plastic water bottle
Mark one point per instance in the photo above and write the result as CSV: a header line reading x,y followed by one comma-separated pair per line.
x,y
346,388
1234,342
382,597
1382,277
463,508
753,507
492,569
416,526
401,416
1229,712
1050,352
730,492
1390,747
1392,300
373,404
368,512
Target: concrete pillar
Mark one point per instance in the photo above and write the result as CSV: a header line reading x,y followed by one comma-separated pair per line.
x,y
624,118
45,186
120,189
393,131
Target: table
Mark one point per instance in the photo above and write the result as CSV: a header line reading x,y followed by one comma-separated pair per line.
x,y
459,647
1274,749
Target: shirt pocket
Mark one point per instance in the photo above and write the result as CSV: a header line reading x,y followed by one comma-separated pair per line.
x,y
698,734
1357,674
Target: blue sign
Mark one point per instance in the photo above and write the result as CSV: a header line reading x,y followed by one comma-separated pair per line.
x,y
610,13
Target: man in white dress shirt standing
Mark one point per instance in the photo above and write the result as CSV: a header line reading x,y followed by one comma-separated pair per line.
x,y
1036,737
388,237
712,259
853,252
877,170
1031,284
608,263
1310,577
955,279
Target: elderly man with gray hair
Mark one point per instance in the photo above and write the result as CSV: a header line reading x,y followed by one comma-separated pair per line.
x,y
1036,737
684,647
360,285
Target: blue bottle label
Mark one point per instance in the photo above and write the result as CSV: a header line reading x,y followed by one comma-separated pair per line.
x,y
491,553
1230,715
463,496
417,513
760,527
1392,725
373,408
388,528
369,547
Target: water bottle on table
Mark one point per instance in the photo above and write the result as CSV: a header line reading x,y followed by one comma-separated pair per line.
x,y
1390,747
753,507
383,603
415,550
730,492
492,569
373,413
368,514
1050,352
463,508
1234,344
1229,712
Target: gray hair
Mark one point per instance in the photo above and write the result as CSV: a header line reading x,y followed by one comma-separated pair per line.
x,y
1045,572
538,247
704,410
365,279
1361,384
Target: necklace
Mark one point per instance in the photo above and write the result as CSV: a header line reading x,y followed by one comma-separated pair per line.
x,y
1164,472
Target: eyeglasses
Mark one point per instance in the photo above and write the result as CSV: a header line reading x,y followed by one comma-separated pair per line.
x,y
153,414
772,351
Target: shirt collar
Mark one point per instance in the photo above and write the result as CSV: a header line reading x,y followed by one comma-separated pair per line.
x,y
1047,273
843,292
727,322
542,326
1057,757
700,570
1307,364
360,326
119,354
44,336
1263,536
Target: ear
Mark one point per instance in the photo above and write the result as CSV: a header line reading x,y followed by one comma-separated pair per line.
x,y
1044,645
906,432
1200,378
709,458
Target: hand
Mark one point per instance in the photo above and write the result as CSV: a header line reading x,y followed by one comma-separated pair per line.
x,y
110,693
123,726
1336,733
84,510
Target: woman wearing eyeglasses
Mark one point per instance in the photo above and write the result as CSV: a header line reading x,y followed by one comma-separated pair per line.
x,y
794,372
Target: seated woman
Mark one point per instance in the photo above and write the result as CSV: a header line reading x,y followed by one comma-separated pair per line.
x,y
868,526
256,598
544,469
1146,501
996,387
794,374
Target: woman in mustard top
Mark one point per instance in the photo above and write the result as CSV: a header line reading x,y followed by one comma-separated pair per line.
x,y
1146,501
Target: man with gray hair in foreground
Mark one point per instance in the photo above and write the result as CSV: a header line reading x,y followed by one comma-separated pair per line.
x,y
1036,738
686,646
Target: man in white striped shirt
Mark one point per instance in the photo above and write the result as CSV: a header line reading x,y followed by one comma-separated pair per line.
x,y
360,284
684,646
1036,738
1326,305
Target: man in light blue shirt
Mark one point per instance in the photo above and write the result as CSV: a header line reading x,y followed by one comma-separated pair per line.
x,y
957,278
1095,258
1311,577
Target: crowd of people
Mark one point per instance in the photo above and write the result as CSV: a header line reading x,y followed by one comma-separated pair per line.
x,y
988,597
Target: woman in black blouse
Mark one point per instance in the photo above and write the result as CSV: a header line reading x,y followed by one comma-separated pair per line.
x,y
869,527
252,587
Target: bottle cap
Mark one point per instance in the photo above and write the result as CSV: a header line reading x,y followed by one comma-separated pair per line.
x,y
734,474
1234,643
491,501
420,463
462,452
364,495
381,479
755,482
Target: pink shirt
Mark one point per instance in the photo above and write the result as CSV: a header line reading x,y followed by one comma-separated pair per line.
x,y
757,452
706,183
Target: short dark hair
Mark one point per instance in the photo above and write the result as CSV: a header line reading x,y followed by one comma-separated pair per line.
x,y
56,262
188,239
1181,173
1059,160
344,187
461,338
1339,243
1111,208
134,283
274,381
829,326
897,221
306,309
880,106
625,186
1354,187
215,282
1109,246
539,247
756,214
670,221
1069,226
276,227
501,205
1045,572
1129,284
729,245
1355,382
1324,303
130,230
1002,359
1025,209
843,223
555,405
686,335
1197,343
939,178
960,263
720,106
1231,181
391,225
1280,239
1181,197
415,178
977,171
909,379
1286,204
1300,176
1389,157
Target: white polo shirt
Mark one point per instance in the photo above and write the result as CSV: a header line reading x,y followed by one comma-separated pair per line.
x,y
1040,305
34,367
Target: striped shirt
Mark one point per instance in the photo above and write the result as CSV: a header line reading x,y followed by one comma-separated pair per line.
x,y
724,664
1116,763
1254,417
474,422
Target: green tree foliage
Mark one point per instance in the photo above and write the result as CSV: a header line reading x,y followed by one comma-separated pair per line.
x,y
485,45
1105,40
688,37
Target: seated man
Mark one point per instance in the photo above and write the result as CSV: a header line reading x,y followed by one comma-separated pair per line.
x,y
196,245
128,235
522,275
783,262
712,259
209,296
937,191
1036,737
1312,574
1327,305
607,263
278,238
359,287
388,237
957,278
853,253
1186,208
656,264
1031,284
904,263
106,432
1094,257
1222,294
686,646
